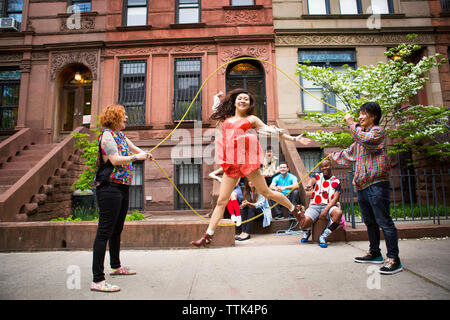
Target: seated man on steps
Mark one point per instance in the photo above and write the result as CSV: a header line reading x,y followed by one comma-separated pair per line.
x,y
284,183
324,203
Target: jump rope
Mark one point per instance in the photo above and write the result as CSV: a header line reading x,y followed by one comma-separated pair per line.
x,y
190,105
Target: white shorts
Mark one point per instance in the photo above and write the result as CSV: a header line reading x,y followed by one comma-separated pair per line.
x,y
314,211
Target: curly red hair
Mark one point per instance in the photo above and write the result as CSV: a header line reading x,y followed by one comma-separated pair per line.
x,y
112,115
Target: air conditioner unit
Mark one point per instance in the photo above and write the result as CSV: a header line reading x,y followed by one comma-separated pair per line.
x,y
9,24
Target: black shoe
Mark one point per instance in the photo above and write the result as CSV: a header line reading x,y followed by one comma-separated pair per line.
x,y
243,239
370,258
278,217
393,265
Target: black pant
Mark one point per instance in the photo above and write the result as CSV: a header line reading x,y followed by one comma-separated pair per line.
x,y
374,202
249,212
293,198
113,204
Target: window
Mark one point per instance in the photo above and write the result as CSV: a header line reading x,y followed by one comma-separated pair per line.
x,y
187,83
9,98
350,6
382,6
188,11
135,13
445,5
310,157
137,187
188,179
83,5
324,58
132,90
318,6
11,8
242,2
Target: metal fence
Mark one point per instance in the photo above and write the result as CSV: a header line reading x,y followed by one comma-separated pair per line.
x,y
415,195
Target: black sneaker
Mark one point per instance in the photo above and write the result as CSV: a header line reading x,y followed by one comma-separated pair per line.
x,y
370,258
393,265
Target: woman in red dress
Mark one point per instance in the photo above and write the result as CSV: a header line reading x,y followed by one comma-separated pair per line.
x,y
240,155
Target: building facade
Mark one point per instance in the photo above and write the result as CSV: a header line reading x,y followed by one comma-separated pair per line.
x,y
70,59
332,33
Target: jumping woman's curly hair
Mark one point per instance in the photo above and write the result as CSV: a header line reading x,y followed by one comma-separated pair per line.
x,y
112,115
227,106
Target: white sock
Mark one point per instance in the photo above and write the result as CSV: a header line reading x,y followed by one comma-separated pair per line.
x,y
238,221
292,208
210,232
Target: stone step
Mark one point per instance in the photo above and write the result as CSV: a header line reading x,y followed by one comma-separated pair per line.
x,y
8,180
3,188
43,147
19,165
12,172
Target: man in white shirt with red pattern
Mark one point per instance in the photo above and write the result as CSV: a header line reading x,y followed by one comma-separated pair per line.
x,y
324,203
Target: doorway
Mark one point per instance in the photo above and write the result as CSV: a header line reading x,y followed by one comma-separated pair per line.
x,y
249,75
75,99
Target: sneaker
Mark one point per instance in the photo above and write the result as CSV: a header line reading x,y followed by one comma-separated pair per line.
x,y
233,218
125,271
370,258
392,266
278,217
104,286
306,235
323,237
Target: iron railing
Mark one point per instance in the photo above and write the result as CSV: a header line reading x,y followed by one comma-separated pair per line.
x,y
415,195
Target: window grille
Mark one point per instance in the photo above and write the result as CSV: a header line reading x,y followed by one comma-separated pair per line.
x,y
9,98
445,5
137,187
132,90
187,83
310,158
188,179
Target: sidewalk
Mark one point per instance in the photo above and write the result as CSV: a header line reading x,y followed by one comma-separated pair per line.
x,y
267,267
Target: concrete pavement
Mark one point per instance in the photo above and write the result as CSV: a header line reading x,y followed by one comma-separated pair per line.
x,y
266,267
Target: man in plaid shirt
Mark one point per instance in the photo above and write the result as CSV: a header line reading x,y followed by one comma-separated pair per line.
x,y
372,183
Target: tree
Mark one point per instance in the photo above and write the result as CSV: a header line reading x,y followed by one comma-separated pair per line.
x,y
392,84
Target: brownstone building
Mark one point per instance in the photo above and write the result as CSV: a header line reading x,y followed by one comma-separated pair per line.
x,y
62,61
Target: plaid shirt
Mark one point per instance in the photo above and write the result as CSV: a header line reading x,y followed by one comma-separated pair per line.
x,y
370,154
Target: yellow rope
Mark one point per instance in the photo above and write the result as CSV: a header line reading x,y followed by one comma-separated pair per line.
x,y
190,105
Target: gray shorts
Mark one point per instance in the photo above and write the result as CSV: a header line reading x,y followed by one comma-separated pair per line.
x,y
314,211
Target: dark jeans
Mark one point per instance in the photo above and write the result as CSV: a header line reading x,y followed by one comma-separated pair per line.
x,y
113,204
374,202
293,198
249,212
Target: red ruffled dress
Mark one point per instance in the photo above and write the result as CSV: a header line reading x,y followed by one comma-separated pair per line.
x,y
238,151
